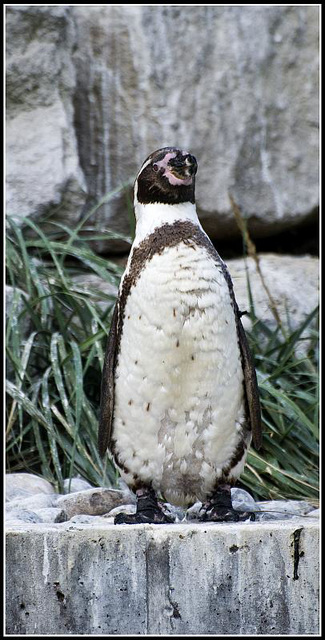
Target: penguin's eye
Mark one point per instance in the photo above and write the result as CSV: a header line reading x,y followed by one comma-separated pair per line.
x,y
155,167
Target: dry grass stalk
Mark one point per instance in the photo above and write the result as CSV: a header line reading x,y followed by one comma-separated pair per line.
x,y
251,251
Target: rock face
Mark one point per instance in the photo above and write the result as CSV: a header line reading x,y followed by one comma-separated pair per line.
x,y
43,171
236,85
228,93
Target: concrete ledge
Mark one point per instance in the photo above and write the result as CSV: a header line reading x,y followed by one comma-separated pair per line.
x,y
248,578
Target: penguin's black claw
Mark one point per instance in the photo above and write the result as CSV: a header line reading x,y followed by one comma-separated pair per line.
x,y
148,510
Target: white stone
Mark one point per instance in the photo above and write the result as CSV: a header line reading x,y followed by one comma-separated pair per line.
x,y
86,519
314,514
23,485
20,515
242,500
124,508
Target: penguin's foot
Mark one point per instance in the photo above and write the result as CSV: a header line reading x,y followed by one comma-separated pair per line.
x,y
148,510
223,514
219,508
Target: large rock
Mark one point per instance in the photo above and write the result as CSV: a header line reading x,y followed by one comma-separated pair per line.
x,y
236,85
44,177
291,280
93,501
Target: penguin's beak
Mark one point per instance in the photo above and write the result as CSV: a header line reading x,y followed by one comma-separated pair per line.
x,y
183,167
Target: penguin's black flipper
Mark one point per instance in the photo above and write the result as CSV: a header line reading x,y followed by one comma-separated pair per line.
x,y
107,386
251,388
250,382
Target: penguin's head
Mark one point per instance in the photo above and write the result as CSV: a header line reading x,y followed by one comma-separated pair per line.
x,y
166,176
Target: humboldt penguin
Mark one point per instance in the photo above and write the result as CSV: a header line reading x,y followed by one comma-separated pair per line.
x,y
179,397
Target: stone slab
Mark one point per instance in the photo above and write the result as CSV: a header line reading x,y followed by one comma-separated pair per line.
x,y
247,578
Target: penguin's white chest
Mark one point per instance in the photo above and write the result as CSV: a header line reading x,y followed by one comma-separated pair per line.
x,y
179,405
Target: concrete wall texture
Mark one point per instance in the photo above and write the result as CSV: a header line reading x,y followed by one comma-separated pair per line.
x,y
252,578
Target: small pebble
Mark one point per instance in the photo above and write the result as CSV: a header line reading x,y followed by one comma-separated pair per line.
x,y
242,500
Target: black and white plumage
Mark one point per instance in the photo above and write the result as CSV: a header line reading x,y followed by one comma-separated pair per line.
x,y
179,400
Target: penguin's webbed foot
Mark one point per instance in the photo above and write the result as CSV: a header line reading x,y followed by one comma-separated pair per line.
x,y
148,510
155,517
219,508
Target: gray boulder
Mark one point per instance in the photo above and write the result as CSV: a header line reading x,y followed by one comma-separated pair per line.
x,y
25,485
293,282
235,85
93,502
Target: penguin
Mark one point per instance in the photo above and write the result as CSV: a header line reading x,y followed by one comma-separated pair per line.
x,y
179,398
